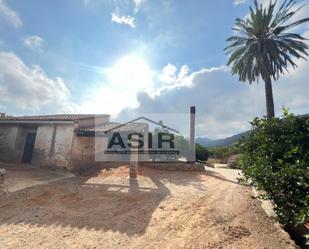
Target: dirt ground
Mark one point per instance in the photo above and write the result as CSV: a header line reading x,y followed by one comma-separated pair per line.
x,y
162,209
20,176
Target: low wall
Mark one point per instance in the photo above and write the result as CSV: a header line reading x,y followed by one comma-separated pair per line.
x,y
174,166
87,168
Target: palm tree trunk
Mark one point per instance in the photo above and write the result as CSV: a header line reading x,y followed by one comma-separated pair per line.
x,y
269,98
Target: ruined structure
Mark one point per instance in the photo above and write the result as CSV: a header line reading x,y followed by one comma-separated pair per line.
x,y
65,141
80,141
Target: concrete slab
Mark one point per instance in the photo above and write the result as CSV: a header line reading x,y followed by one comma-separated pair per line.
x,y
20,176
220,165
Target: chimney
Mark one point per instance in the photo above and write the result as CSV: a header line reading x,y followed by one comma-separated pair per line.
x,y
2,114
191,156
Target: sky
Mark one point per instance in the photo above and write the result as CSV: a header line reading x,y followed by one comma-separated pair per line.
x,y
133,57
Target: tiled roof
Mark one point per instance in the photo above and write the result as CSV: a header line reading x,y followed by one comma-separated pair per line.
x,y
56,117
105,127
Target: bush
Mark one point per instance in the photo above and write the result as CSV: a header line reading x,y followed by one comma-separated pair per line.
x,y
276,160
223,153
201,153
234,161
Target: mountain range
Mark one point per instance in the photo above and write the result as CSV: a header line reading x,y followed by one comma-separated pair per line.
x,y
207,142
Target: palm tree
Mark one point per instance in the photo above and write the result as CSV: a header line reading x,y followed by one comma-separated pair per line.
x,y
264,47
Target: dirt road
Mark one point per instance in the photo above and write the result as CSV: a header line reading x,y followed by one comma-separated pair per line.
x,y
163,209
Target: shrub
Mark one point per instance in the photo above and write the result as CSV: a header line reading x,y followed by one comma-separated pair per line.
x,y
276,160
223,153
201,153
234,161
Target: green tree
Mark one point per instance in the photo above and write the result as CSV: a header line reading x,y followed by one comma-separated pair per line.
x,y
275,159
201,153
181,143
264,45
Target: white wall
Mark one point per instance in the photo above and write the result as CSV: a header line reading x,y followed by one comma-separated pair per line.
x,y
53,145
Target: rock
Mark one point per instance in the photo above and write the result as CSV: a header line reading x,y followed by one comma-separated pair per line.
x,y
232,161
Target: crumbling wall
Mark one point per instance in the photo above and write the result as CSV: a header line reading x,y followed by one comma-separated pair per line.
x,y
56,145
42,147
62,146
82,153
53,145
8,135
12,141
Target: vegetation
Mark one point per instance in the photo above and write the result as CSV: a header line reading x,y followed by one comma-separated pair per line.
x,y
181,144
264,47
201,153
276,160
234,162
223,153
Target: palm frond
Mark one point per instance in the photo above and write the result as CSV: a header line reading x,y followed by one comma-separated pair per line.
x,y
264,47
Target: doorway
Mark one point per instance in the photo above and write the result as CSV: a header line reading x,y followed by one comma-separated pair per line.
x,y
28,148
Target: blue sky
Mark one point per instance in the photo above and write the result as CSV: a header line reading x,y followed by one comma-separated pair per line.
x,y
121,56
78,32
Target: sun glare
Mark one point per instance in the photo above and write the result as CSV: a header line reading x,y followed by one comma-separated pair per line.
x,y
131,72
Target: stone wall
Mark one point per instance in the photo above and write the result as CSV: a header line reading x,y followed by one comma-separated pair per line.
x,y
82,153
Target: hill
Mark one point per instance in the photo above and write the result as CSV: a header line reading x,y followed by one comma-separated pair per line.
x,y
207,142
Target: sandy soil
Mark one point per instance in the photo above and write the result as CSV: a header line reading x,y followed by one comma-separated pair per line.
x,y
163,209
20,176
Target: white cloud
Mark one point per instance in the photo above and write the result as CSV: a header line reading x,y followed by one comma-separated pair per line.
x,y
9,15
122,82
168,74
34,42
168,79
29,89
107,99
237,2
127,20
224,105
138,4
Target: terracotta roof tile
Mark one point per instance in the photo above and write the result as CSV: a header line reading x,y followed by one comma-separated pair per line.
x,y
116,127
56,117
